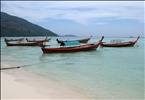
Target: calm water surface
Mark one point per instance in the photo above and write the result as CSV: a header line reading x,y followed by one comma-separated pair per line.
x,y
109,73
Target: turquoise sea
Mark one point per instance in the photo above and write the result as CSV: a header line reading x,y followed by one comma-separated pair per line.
x,y
105,73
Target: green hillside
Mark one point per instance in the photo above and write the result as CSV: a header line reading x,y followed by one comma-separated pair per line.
x,y
12,26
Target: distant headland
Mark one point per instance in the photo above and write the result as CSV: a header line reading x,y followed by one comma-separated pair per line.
x,y
68,35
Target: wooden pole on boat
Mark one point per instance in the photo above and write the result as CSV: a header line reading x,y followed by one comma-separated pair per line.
x,y
137,41
101,39
46,38
43,44
137,38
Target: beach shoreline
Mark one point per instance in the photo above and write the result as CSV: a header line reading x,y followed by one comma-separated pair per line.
x,y
20,84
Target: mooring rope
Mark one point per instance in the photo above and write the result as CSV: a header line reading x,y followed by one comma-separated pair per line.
x,y
9,68
32,64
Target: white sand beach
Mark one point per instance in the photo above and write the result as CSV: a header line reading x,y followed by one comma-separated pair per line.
x,y
20,84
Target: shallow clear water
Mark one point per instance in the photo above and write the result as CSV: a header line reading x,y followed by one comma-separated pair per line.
x,y
109,73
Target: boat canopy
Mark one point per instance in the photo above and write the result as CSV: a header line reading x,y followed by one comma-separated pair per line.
x,y
70,43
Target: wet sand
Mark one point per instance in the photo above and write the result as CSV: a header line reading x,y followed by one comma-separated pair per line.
x,y
20,84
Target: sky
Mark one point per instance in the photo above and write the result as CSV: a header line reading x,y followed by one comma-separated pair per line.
x,y
82,18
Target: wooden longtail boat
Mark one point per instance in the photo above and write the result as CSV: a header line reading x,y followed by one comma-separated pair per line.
x,y
46,40
24,43
85,47
121,44
9,40
81,40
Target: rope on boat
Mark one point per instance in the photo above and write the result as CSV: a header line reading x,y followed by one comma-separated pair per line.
x,y
31,64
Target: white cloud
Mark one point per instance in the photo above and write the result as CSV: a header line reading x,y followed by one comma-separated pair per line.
x,y
79,11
